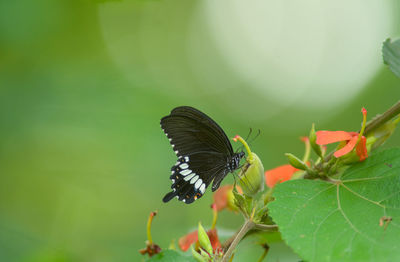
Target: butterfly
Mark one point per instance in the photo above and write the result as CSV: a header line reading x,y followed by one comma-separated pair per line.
x,y
204,153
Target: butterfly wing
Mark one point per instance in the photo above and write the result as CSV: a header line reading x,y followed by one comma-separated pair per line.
x,y
203,151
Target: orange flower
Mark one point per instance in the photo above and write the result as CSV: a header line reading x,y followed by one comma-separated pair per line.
x,y
186,241
352,140
279,174
224,198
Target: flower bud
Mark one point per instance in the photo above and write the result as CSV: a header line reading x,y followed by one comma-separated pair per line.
x,y
313,139
296,162
204,240
251,176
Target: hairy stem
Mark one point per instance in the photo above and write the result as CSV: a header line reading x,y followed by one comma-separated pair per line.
x,y
379,120
247,226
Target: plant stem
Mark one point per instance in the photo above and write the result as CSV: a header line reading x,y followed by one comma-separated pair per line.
x,y
270,228
248,225
266,249
379,120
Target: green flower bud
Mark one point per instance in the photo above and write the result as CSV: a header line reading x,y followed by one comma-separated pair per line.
x,y
313,139
251,176
296,162
204,240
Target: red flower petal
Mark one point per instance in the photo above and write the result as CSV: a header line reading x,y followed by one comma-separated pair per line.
x,y
361,149
347,148
221,196
279,175
213,236
304,138
328,137
186,241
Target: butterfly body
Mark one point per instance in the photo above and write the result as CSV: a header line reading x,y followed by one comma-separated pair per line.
x,y
204,153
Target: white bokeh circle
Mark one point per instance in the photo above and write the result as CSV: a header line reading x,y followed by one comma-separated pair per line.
x,y
311,53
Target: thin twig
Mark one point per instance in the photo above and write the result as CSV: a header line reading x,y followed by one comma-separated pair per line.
x,y
379,120
248,225
266,249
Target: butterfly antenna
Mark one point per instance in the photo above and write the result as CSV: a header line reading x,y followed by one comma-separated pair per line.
x,y
247,137
254,138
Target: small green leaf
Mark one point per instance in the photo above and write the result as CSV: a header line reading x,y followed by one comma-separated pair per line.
x,y
239,199
391,55
171,256
196,255
343,221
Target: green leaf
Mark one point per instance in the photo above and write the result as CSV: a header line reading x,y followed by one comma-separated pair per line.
x,y
171,256
391,55
340,221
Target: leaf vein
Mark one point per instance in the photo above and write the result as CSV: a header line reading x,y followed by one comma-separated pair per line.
x,y
348,220
363,197
377,163
316,231
372,178
308,200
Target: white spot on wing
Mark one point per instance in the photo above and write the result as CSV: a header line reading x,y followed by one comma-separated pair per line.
x,y
194,179
203,188
186,158
170,139
184,200
186,172
176,152
184,166
189,176
198,184
173,181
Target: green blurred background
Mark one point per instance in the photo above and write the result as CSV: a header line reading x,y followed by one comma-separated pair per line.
x,y
84,84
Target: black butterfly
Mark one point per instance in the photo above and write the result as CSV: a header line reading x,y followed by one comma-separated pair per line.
x,y
203,150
